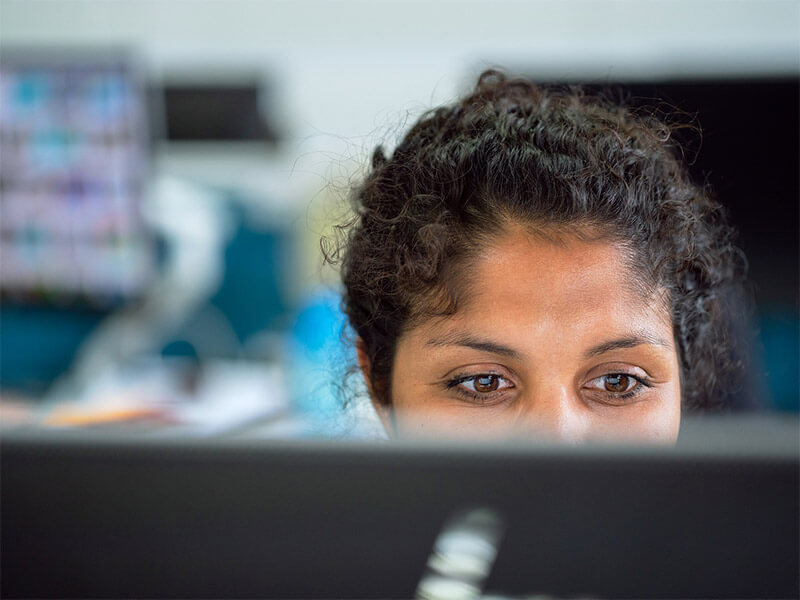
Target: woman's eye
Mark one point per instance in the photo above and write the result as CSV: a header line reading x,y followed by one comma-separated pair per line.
x,y
484,384
616,383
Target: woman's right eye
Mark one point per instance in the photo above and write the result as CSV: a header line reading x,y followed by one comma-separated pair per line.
x,y
485,383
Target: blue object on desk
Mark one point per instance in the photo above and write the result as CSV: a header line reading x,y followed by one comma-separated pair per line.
x,y
319,359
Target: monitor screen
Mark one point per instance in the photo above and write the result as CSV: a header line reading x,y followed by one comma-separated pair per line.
x,y
73,137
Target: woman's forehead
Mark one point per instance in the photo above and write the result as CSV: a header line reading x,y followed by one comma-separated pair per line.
x,y
554,267
530,282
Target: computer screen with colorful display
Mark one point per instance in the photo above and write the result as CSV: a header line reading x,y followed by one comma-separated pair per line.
x,y
73,137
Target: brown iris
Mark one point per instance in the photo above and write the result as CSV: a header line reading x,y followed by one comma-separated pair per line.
x,y
617,383
486,383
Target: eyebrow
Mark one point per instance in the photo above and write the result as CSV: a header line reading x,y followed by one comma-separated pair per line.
x,y
630,341
467,341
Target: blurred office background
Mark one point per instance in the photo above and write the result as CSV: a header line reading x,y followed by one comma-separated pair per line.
x,y
167,168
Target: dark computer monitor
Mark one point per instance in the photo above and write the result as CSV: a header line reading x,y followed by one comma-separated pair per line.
x,y
100,517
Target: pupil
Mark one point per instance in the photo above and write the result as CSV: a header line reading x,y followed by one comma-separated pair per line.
x,y
487,383
617,383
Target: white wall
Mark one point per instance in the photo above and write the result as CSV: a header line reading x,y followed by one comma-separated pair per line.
x,y
347,70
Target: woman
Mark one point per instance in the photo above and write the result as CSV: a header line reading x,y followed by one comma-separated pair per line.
x,y
536,258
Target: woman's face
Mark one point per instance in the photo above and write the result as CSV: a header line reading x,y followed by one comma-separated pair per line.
x,y
554,340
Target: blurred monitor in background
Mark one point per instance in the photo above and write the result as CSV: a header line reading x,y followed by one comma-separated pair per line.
x,y
208,111
74,142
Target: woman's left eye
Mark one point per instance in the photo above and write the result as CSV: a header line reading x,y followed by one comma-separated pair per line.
x,y
617,383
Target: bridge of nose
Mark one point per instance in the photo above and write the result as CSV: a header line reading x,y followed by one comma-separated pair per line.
x,y
556,410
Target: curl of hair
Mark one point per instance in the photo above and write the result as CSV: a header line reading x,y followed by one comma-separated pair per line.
x,y
515,152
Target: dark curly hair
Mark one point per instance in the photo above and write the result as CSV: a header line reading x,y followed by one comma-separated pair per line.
x,y
552,158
